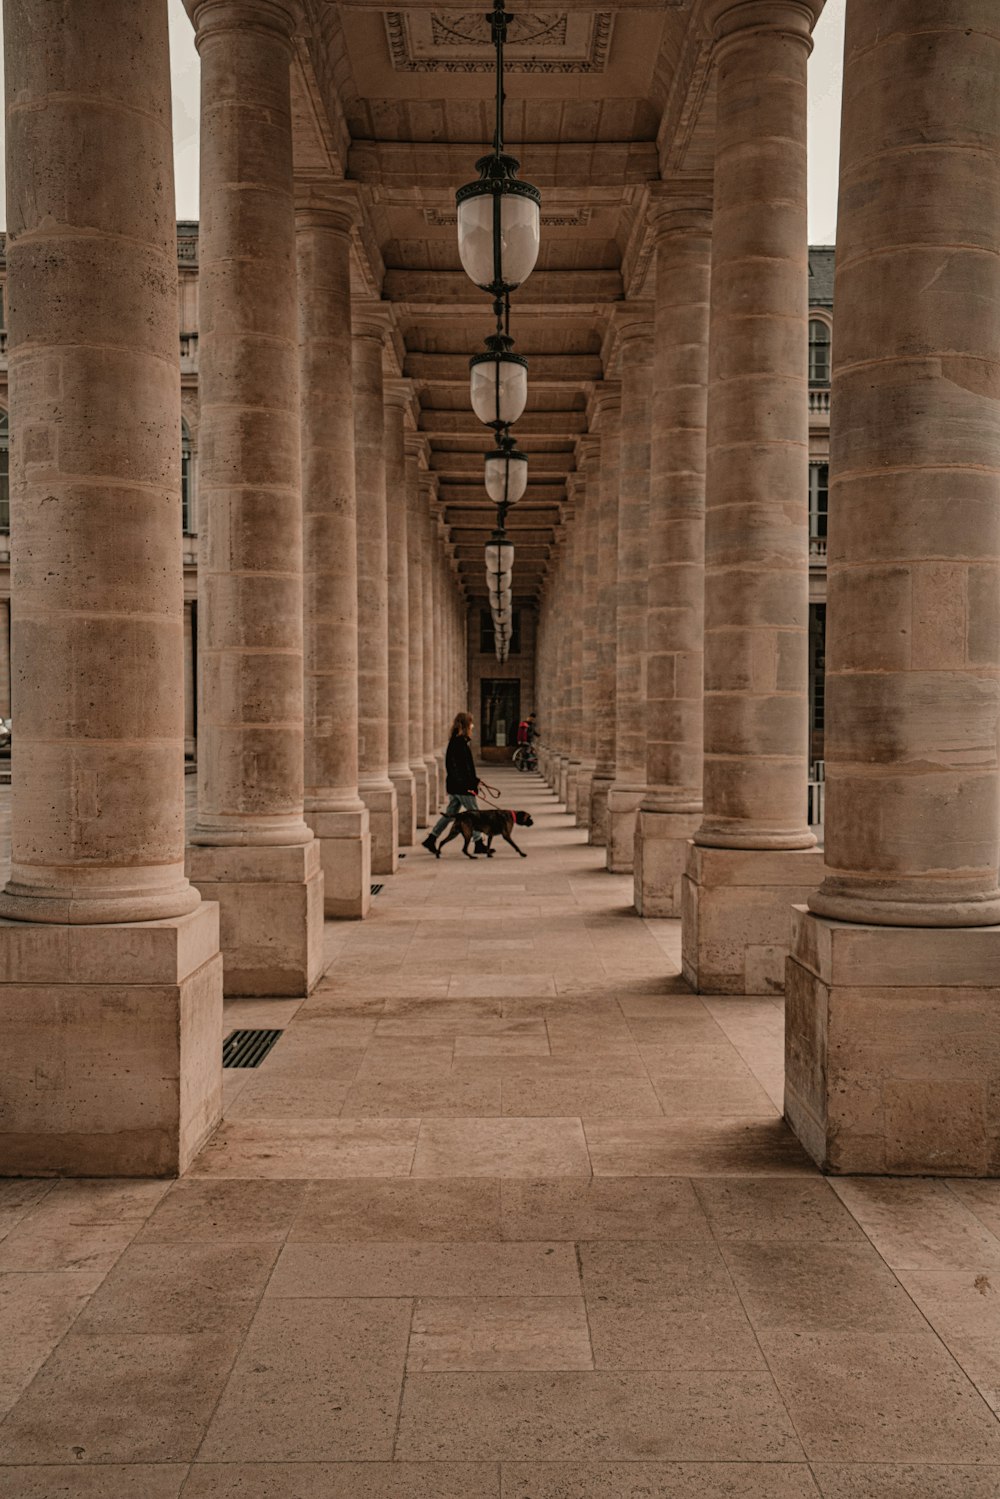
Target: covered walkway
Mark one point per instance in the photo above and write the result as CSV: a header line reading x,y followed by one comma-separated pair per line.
x,y
505,1214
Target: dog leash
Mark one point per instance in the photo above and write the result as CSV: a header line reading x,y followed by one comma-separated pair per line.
x,y
490,790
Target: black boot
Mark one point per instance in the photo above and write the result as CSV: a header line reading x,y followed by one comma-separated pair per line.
x,y
431,846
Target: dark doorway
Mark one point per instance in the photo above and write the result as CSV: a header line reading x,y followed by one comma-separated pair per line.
x,y
500,713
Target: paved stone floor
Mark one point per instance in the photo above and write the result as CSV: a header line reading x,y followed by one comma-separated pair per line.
x,y
506,1214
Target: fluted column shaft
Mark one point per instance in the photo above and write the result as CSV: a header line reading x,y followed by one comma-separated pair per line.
x,y
606,681
334,810
377,791
588,461
250,615
110,973
671,806
633,526
415,644
432,730
892,1045
398,396
757,523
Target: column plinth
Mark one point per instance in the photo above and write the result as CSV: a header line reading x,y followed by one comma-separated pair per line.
x,y
893,982
333,809
756,522
111,992
371,325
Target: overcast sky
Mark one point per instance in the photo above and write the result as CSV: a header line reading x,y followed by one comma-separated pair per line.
x,y
824,118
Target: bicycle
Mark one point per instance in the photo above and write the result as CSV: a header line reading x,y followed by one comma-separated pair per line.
x,y
525,758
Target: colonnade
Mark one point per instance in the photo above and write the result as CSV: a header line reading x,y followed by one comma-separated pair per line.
x,y
331,626
887,942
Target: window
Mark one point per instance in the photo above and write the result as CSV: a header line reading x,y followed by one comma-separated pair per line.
x,y
487,643
187,509
4,473
819,485
819,352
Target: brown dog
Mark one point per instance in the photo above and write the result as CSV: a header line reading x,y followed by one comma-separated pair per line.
x,y
494,823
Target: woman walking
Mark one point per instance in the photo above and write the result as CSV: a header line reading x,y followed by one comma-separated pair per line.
x,y
462,783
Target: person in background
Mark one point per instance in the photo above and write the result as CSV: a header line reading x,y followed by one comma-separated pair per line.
x,y
462,783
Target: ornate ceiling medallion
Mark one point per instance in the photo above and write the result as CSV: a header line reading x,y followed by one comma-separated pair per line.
x,y
460,42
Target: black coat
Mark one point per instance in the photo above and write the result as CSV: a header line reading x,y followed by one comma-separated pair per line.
x,y
461,767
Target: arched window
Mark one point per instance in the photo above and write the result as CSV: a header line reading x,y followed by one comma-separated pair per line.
x,y
819,352
4,472
187,509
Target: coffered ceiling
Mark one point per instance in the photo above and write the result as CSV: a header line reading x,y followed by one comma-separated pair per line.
x,y
600,102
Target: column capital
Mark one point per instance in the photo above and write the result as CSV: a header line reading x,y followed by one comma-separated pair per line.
x,y
428,486
399,394
632,320
417,446
588,450
605,404
372,320
326,205
279,19
680,206
730,20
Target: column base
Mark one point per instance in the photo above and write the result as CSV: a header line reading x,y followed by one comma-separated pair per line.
x,y
661,852
562,775
112,1045
345,851
581,807
598,834
736,914
892,1048
406,806
623,812
573,768
271,904
420,798
382,821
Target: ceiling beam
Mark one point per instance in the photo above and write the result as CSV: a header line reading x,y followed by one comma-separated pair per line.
x,y
447,164
561,425
452,289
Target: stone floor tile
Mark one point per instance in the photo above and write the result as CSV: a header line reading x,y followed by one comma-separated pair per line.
x,y
180,1288
919,1225
340,1481
373,1269
119,1400
407,1059
501,1046
564,1069
690,1275
636,1208
714,1061
775,1209
963,1307
426,1027
315,1381
438,1008
499,1333
559,1417
288,1097
65,1481
820,1288
981,1198
394,1211
282,1149
332,1063
591,1096
885,1481
237,1212
872,1398
80,1225
17,1198
501,1147
259,1014
688,1098
639,1480
437,1097
695,1147
36,1311
497,985
656,1335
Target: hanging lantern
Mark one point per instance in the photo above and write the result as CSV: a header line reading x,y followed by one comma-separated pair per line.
x,y
498,383
506,473
499,226
499,557
499,217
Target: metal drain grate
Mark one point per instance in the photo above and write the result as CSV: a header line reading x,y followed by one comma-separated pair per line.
x,y
377,889
247,1048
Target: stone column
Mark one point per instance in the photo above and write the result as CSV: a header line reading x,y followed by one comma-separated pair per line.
x,y
443,710
892,1042
371,324
606,415
111,1000
572,609
432,729
588,460
398,398
334,810
251,849
190,684
4,658
627,790
671,807
415,447
750,857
